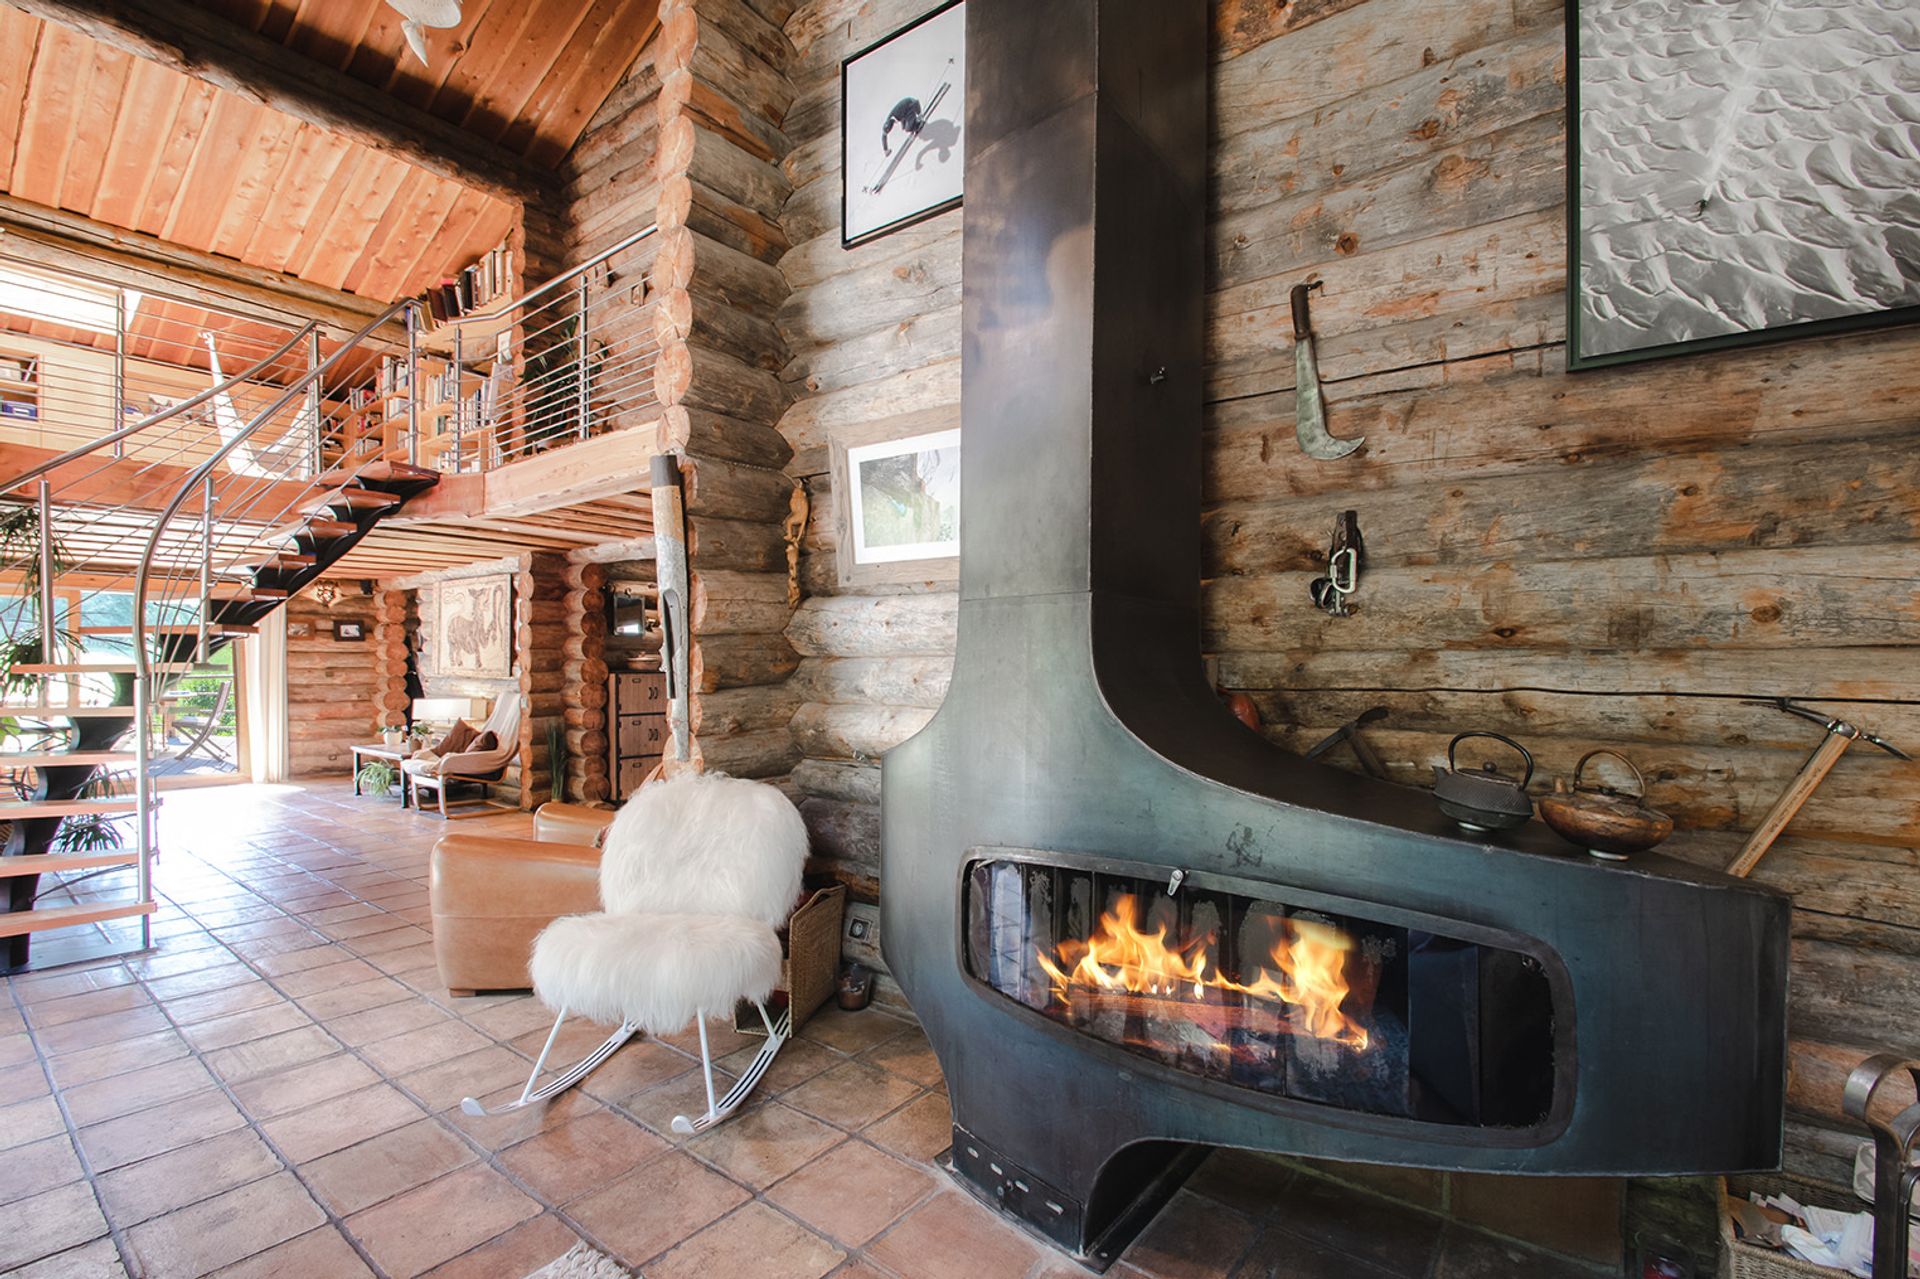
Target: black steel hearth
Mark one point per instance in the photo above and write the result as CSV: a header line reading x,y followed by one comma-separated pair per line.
x,y
1133,929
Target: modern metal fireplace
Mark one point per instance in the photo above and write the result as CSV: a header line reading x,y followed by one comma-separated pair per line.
x,y
1132,928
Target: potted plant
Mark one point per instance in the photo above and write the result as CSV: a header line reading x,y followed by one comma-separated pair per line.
x,y
417,735
391,736
376,776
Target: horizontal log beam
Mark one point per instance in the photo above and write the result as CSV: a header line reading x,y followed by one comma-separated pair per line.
x,y
203,45
63,241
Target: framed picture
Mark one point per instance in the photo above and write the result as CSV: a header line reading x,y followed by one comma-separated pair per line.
x,y
472,630
1732,175
902,114
897,507
299,630
352,632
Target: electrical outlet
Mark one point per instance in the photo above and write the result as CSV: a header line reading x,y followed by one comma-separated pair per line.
x,y
860,937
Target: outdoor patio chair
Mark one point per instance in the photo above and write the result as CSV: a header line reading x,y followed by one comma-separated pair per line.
x,y
698,874
201,728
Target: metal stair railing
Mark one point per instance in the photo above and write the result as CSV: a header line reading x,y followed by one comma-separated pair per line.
x,y
238,517
79,526
568,359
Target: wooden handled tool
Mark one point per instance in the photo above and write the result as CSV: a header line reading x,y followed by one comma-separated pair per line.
x,y
1840,736
670,566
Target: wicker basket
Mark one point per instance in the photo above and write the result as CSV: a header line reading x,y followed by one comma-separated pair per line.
x,y
811,968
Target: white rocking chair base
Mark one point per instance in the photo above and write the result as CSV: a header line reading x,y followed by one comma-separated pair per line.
x,y
559,1083
778,1032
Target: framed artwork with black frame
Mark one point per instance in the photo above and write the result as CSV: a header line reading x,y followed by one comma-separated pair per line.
x,y
1739,172
902,119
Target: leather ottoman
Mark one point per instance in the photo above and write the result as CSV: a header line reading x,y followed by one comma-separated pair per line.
x,y
491,896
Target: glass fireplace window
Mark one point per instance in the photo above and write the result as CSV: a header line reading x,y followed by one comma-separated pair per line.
x,y
1334,1009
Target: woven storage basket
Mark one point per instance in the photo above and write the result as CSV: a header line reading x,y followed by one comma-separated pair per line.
x,y
811,968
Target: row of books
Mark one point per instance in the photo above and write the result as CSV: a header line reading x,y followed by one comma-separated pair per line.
x,y
475,289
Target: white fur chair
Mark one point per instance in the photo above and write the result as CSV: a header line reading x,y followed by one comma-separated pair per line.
x,y
698,874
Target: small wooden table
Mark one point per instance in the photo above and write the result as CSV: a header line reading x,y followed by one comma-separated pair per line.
x,y
395,755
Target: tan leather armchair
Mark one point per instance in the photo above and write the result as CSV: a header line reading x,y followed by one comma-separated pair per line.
x,y
492,896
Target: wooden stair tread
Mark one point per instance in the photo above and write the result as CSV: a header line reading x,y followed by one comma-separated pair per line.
x,y
394,469
354,498
213,628
39,921
20,759
99,668
14,808
287,560
311,528
52,863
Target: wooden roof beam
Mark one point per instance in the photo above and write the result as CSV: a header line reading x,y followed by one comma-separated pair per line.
x,y
200,43
63,241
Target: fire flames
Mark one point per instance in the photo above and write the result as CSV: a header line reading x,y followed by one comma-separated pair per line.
x,y
1311,977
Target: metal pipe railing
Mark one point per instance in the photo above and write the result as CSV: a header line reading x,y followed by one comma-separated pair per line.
x,y
507,308
154,419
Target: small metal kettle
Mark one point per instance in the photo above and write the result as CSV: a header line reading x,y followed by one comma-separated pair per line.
x,y
1601,820
1486,799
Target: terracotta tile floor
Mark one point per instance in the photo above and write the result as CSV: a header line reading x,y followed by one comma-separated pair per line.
x,y
274,1091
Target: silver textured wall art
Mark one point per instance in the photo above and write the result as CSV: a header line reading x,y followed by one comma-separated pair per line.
x,y
1742,170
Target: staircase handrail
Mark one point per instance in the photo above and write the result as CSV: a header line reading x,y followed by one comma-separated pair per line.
x,y
142,651
541,290
154,419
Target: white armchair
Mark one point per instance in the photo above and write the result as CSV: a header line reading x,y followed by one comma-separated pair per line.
x,y
441,773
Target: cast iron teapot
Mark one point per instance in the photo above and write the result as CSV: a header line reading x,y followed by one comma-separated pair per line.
x,y
1487,799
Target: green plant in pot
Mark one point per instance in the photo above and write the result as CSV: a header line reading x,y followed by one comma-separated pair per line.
x,y
376,776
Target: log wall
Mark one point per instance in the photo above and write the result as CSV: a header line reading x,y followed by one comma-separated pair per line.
x,y
722,104
331,685
1615,558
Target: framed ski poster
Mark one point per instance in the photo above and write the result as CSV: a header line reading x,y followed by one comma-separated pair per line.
x,y
902,113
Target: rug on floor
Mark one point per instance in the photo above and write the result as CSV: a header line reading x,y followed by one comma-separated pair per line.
x,y
582,1262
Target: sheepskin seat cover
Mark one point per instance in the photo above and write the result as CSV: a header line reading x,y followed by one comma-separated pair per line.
x,y
696,874
656,972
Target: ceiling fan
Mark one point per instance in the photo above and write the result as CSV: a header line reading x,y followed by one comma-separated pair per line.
x,y
418,15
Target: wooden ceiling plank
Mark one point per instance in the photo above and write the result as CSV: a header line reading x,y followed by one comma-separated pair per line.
x,y
419,85
19,43
328,31
555,117
561,31
351,175
148,101
399,229
312,161
513,77
183,136
52,92
503,29
438,252
212,172
260,176
205,45
353,220
98,108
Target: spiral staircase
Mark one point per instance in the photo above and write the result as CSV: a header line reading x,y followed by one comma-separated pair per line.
x,y
211,516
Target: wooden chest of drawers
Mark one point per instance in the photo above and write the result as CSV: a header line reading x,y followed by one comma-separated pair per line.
x,y
637,731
